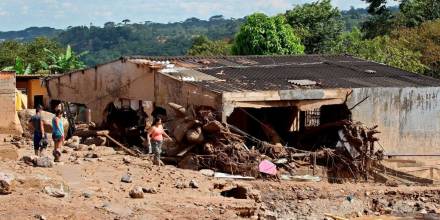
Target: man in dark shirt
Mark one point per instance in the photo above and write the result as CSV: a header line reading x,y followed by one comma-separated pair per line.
x,y
38,125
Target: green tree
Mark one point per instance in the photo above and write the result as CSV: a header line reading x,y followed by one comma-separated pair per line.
x,y
31,53
317,23
382,49
424,39
202,46
64,62
20,67
263,35
415,12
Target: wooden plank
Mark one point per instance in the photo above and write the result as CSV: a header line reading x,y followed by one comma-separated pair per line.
x,y
127,150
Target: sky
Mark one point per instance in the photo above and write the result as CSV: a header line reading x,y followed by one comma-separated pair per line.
x,y
20,14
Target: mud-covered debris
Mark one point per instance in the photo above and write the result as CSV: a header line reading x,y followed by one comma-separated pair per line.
x,y
54,192
44,162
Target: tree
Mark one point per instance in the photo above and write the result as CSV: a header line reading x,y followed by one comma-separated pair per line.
x,y
317,23
382,49
202,46
263,35
424,39
126,21
61,63
19,68
31,53
415,12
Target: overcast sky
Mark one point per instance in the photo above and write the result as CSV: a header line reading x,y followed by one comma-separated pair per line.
x,y
20,14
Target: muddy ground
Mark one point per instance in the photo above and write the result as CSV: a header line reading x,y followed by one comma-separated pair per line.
x,y
91,179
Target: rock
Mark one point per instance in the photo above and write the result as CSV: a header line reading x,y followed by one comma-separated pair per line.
x,y
423,211
40,217
80,147
126,160
189,162
67,150
29,160
98,141
136,193
73,145
91,147
180,185
126,178
7,183
43,162
87,194
91,155
151,190
423,199
8,152
207,172
58,193
8,139
193,184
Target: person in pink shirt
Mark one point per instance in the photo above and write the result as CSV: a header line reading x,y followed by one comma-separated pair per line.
x,y
156,134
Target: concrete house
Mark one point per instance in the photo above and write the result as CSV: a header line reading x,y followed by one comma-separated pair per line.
x,y
31,86
291,94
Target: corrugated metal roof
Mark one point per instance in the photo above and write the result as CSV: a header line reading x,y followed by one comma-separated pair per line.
x,y
274,72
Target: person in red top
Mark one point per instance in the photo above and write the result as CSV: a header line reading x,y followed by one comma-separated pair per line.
x,y
156,134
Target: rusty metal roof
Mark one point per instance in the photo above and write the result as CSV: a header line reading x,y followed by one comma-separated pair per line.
x,y
254,73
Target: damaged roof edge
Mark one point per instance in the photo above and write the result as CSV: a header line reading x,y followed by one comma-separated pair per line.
x,y
293,94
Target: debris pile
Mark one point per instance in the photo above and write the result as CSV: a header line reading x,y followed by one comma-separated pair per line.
x,y
355,155
203,142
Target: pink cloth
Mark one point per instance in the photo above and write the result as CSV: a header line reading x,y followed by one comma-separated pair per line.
x,y
157,133
267,167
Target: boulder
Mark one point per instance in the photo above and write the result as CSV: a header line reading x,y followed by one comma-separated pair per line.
x,y
98,141
44,161
26,114
7,183
136,193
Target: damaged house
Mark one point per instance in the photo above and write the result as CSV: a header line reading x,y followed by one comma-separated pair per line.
x,y
297,101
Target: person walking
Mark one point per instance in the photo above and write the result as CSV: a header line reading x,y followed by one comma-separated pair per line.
x,y
57,134
156,133
39,133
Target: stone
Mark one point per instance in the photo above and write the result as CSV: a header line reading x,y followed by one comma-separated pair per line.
x,y
98,141
80,147
126,178
29,160
8,139
126,160
207,172
43,162
91,155
67,150
180,185
423,211
87,194
40,217
136,193
54,192
7,183
193,184
151,190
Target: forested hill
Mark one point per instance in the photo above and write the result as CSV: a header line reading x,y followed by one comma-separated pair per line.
x,y
113,40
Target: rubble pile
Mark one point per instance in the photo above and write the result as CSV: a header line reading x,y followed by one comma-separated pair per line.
x,y
355,155
203,142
